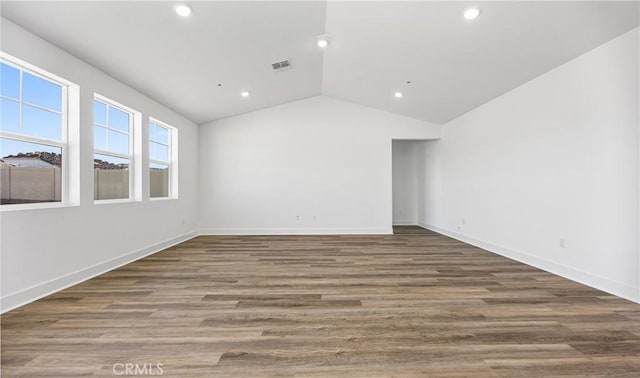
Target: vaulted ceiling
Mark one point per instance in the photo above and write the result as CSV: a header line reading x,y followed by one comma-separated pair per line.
x,y
198,65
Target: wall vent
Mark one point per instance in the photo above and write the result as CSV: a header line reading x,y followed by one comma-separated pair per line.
x,y
281,66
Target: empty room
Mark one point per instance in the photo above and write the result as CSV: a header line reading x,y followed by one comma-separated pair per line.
x,y
320,188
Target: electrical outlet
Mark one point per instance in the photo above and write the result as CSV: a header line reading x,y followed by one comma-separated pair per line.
x,y
297,217
561,243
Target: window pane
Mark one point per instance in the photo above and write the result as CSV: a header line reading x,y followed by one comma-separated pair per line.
x,y
99,113
162,152
111,177
99,138
41,123
159,180
152,131
10,79
38,91
118,142
162,135
152,151
29,172
118,119
10,116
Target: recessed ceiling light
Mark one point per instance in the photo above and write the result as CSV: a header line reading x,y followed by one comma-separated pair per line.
x,y
182,10
245,94
398,95
471,13
322,43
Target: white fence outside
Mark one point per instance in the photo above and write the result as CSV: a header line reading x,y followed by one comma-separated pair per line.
x,y
25,184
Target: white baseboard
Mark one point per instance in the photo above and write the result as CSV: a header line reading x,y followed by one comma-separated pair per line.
x,y
405,222
593,280
28,295
296,231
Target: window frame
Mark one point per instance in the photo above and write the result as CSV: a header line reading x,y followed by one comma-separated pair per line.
x,y
131,157
172,147
63,143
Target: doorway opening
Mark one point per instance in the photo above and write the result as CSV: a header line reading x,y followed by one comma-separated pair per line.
x,y
408,181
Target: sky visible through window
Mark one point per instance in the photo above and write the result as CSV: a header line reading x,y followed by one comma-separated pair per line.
x,y
111,131
31,106
158,142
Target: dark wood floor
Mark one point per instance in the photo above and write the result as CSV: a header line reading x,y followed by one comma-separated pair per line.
x,y
412,304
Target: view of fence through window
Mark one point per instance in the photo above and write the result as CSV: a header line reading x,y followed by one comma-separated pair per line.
x,y
30,173
32,137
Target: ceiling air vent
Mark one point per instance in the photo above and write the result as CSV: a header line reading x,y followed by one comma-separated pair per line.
x,y
281,66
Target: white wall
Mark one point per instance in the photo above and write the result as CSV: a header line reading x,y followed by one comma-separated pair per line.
x,y
318,165
556,158
427,177
44,250
405,182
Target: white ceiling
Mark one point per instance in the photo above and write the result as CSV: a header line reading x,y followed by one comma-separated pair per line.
x,y
180,61
453,64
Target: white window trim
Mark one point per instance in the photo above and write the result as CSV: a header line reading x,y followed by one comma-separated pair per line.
x,y
134,125
172,163
69,176
114,200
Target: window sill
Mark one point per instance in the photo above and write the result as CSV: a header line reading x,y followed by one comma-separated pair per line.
x,y
162,198
36,206
112,201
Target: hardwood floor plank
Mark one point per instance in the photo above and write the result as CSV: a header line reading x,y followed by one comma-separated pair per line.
x,y
415,303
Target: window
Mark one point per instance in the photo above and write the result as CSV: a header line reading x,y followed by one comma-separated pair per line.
x,y
162,142
33,134
113,150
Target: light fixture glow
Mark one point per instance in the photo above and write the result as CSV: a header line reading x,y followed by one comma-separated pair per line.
x,y
398,95
322,43
182,10
471,13
245,94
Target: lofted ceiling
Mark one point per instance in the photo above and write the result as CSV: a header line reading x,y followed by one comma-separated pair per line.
x,y
179,62
454,64
199,65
